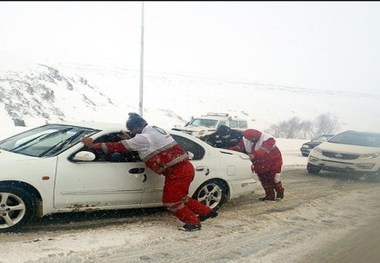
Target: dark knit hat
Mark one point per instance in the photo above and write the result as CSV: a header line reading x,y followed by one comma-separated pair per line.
x,y
223,130
135,121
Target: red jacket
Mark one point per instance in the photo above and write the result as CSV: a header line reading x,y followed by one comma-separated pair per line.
x,y
265,155
156,148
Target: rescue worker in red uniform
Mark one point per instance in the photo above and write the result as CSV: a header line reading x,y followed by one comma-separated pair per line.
x,y
163,155
266,161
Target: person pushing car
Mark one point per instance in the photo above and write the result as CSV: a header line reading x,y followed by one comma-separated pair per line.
x,y
266,161
163,155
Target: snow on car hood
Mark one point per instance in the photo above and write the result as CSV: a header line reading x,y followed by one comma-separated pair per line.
x,y
6,157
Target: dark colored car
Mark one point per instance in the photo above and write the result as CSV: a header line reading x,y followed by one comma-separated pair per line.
x,y
308,146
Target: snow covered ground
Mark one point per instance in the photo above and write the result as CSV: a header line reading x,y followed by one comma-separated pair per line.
x,y
317,211
246,230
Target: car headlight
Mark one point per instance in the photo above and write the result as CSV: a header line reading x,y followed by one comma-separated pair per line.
x,y
305,146
317,150
369,155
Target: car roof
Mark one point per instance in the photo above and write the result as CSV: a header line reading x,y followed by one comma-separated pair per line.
x,y
107,126
104,126
361,132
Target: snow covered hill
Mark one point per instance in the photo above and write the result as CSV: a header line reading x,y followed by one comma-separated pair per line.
x,y
32,93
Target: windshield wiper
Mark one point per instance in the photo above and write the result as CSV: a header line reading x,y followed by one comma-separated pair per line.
x,y
56,148
40,137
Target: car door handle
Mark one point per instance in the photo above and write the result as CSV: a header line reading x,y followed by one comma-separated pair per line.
x,y
137,170
203,168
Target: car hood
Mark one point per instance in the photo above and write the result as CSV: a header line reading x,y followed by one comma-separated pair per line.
x,y
193,128
6,157
313,144
346,148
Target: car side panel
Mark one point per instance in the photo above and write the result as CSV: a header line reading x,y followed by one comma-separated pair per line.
x,y
97,184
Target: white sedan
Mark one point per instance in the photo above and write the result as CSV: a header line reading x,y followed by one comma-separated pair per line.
x,y
349,151
48,170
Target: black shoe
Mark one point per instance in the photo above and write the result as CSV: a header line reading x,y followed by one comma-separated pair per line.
x,y
212,214
280,195
190,228
265,198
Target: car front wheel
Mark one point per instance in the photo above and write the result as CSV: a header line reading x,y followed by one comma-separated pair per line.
x,y
212,193
16,208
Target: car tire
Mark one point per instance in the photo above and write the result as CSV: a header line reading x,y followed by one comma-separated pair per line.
x,y
16,208
313,169
213,193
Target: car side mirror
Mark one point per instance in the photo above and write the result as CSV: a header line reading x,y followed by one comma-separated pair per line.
x,y
84,156
190,155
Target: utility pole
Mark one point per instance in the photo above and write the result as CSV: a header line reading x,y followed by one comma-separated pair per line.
x,y
141,108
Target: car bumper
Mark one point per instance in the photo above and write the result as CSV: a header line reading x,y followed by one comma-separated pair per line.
x,y
359,166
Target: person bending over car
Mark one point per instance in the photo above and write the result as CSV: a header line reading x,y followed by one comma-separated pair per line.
x,y
163,155
266,161
224,137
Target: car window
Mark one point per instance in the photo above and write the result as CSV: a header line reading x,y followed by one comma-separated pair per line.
x,y
234,124
222,123
204,123
101,156
356,138
190,146
45,141
243,124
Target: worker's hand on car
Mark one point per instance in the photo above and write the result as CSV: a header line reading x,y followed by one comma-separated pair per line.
x,y
89,142
124,135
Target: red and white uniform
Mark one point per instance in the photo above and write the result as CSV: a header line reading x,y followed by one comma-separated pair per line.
x,y
163,155
266,159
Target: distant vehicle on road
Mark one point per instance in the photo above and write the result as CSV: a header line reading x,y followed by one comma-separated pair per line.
x,y
350,151
308,146
207,124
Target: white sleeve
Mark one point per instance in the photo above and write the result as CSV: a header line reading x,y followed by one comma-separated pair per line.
x,y
137,143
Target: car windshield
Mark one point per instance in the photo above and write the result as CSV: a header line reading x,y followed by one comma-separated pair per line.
x,y
322,138
357,138
209,123
44,141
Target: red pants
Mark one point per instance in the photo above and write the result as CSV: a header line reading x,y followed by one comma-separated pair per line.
x,y
175,195
269,184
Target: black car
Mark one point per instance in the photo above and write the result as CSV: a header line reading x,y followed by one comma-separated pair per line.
x,y
308,146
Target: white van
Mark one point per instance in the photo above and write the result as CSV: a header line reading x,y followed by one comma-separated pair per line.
x,y
208,123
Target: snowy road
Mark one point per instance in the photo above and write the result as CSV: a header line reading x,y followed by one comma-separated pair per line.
x,y
317,210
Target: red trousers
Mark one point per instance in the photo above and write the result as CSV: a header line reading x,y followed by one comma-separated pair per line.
x,y
175,195
270,186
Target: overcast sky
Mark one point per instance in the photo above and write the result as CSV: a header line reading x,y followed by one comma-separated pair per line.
x,y
312,45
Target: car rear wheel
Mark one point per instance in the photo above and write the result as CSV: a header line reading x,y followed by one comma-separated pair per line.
x,y
16,208
313,169
212,193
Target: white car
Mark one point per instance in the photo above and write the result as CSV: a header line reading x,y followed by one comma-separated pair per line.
x,y
48,170
349,151
209,123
